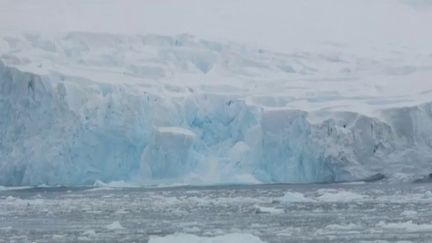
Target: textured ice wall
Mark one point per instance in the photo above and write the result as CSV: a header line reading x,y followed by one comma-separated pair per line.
x,y
150,109
55,131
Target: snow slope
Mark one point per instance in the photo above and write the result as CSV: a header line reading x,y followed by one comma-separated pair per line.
x,y
78,107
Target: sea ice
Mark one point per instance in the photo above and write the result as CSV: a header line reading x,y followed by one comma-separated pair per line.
x,y
114,226
188,238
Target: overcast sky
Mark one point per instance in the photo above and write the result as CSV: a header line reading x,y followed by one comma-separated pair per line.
x,y
275,24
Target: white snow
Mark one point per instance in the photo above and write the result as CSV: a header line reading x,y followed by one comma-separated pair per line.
x,y
206,92
188,238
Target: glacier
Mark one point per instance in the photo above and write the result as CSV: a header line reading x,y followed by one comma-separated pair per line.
x,y
80,107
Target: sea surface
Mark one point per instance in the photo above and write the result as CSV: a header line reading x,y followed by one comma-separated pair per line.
x,y
358,212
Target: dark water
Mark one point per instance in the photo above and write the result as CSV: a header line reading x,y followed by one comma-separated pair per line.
x,y
327,213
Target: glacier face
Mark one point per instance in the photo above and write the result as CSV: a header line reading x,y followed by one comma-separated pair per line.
x,y
83,107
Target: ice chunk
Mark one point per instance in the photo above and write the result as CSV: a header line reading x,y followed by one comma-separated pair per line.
x,y
345,227
341,196
408,226
294,197
269,210
90,233
114,226
409,213
187,238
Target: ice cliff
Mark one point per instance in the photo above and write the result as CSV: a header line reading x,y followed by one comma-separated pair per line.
x,y
81,107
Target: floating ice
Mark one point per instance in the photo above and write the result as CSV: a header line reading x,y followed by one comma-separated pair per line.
x,y
187,238
408,226
341,196
347,227
269,210
294,197
89,233
409,213
114,226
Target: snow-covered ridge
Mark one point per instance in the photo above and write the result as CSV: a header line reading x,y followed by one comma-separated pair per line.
x,y
80,107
